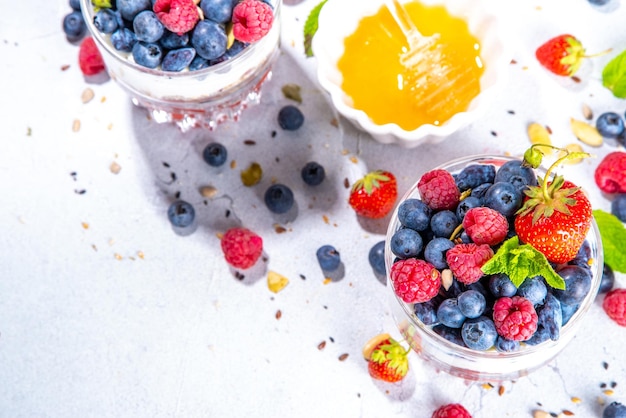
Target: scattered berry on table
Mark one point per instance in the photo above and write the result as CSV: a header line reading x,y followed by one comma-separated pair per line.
x,y
608,279
485,225
210,39
610,174
414,280
75,4
290,118
610,125
387,359
279,198
376,258
241,247
178,16
614,304
599,2
515,318
252,20
328,258
89,58
414,214
147,54
181,214
74,26
219,11
215,154
313,173
438,189
454,410
614,410
147,27
479,333
618,207
561,55
374,195
178,59
577,284
465,261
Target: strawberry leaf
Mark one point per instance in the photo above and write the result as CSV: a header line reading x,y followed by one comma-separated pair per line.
x,y
310,27
614,75
613,235
520,262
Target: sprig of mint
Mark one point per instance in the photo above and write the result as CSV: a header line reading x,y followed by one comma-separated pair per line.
x,y
613,234
614,75
520,262
310,27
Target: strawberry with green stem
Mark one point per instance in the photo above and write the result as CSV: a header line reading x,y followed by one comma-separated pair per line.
x,y
563,54
556,214
374,195
387,359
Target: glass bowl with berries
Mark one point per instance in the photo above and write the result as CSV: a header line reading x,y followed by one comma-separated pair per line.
x,y
189,62
492,263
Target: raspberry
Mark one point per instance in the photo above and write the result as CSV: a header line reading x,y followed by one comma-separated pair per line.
x,y
453,410
178,16
242,247
252,20
89,58
610,174
438,189
515,318
485,225
414,280
465,261
614,305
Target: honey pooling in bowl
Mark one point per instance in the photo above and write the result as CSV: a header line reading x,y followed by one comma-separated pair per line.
x,y
376,81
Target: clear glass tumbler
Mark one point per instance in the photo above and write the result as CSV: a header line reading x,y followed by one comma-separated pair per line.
x,y
201,98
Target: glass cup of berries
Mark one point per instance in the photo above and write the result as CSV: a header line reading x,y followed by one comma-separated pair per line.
x,y
194,63
492,264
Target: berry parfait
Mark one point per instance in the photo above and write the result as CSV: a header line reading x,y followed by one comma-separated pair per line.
x,y
480,286
195,63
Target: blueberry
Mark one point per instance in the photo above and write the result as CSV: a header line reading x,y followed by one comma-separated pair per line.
x,y
171,40
235,49
443,223
514,172
540,335
479,333
198,63
599,2
454,289
567,311
504,345
501,285
583,256
376,258
123,39
414,214
427,311
219,11
472,303
210,39
328,258
550,316
465,205
290,118
618,207
608,279
178,59
279,198
74,26
480,191
106,20
75,4
449,313
215,154
577,284
406,243
131,8
147,54
435,252
451,334
610,125
534,289
148,27
614,410
503,197
181,214
474,175
313,173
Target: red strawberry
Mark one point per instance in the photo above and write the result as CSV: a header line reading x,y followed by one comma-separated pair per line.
x,y
556,215
374,195
561,55
610,175
89,57
386,359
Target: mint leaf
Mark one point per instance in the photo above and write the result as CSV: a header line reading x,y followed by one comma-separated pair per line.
x,y
614,75
310,27
520,262
613,234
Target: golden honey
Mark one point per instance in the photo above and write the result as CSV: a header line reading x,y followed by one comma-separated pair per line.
x,y
377,82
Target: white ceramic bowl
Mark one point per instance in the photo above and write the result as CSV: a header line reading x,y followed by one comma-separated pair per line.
x,y
339,18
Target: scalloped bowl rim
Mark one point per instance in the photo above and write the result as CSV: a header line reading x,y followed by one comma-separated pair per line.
x,y
339,18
